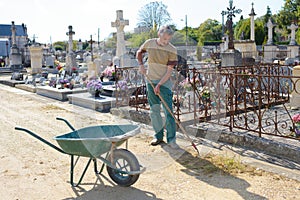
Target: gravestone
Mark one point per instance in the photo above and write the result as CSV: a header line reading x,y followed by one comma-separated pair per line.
x,y
293,48
119,24
15,57
70,59
270,48
50,61
36,56
106,59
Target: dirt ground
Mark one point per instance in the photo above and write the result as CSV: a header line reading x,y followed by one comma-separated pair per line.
x,y
31,170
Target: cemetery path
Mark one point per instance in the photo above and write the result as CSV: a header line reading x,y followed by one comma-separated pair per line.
x,y
31,170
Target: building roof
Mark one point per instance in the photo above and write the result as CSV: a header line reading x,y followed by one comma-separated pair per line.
x,y
3,51
5,30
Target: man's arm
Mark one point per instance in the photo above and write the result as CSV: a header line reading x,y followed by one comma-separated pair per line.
x,y
139,56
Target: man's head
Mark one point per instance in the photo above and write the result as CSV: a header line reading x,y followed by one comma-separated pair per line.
x,y
165,34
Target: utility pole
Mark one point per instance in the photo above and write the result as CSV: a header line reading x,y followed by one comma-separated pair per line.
x,y
91,43
186,32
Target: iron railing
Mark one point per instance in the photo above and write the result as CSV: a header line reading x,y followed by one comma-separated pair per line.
x,y
236,97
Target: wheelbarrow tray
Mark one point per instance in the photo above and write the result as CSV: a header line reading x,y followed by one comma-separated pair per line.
x,y
94,141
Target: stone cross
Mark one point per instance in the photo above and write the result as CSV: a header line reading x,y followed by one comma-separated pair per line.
x,y
120,23
270,26
293,28
13,33
70,42
231,11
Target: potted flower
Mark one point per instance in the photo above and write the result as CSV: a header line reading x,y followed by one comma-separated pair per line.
x,y
94,87
109,72
296,121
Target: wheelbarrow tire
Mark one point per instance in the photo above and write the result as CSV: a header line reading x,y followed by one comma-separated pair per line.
x,y
127,158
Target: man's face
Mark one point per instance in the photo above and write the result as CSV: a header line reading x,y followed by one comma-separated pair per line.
x,y
164,39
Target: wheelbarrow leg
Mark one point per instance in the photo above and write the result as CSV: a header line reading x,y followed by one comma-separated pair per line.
x,y
102,166
72,171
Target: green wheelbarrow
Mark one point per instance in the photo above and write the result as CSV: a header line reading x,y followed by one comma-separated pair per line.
x,y
94,142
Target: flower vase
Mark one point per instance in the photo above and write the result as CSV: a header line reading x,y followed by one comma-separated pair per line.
x,y
95,93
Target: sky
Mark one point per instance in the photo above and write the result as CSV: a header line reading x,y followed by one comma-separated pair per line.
x,y
48,20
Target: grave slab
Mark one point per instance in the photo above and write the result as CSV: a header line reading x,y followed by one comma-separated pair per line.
x,y
59,94
26,87
11,83
86,100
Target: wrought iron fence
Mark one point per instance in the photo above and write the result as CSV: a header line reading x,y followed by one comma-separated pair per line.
x,y
236,97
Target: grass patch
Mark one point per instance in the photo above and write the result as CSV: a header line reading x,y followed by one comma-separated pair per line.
x,y
213,163
231,165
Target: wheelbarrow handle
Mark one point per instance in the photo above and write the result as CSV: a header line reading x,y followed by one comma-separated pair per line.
x,y
68,123
39,138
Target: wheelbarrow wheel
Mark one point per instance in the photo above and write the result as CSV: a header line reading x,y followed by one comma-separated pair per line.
x,y
126,161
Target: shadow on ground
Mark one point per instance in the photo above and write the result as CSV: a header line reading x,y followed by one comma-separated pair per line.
x,y
104,191
196,167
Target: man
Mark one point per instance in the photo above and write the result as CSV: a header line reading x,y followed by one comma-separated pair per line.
x,y
162,57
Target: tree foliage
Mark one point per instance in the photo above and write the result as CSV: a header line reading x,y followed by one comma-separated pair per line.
x,y
153,15
242,29
210,30
60,45
290,13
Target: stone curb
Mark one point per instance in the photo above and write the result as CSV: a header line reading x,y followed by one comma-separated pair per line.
x,y
222,134
250,141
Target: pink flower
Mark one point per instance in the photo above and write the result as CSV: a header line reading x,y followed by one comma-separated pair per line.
x,y
296,118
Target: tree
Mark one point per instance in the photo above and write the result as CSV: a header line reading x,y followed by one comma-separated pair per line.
x,y
153,15
210,30
242,29
259,31
138,39
60,45
289,13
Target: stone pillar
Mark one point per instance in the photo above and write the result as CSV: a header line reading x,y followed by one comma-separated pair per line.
x,y
270,26
295,96
70,41
36,56
252,24
119,24
15,57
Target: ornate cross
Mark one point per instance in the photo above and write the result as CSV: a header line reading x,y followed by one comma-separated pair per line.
x,y
231,11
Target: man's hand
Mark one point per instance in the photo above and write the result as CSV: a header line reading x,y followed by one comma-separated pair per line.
x,y
142,69
157,89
